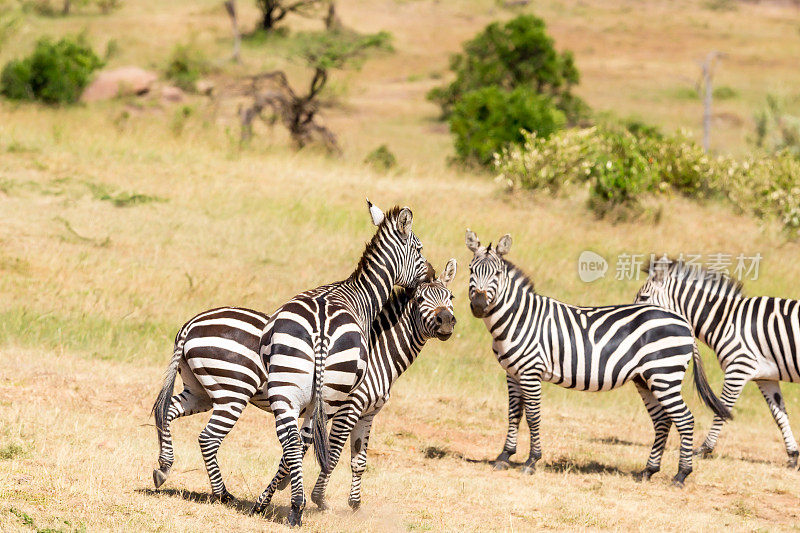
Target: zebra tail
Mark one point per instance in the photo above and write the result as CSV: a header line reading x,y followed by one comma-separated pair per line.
x,y
161,407
704,389
319,419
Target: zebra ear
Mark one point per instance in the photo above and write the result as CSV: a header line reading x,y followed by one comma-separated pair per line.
x,y
658,273
472,241
449,272
404,221
376,214
503,245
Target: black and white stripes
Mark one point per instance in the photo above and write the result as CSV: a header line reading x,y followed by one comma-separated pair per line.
x,y
398,334
217,355
754,338
536,338
317,344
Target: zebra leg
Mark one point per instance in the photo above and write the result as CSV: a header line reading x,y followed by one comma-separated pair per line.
x,y
281,478
661,425
735,381
184,404
221,423
514,416
291,442
342,424
532,396
359,439
669,396
771,390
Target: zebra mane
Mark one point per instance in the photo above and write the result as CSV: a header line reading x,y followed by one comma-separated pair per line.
x,y
390,218
704,278
520,275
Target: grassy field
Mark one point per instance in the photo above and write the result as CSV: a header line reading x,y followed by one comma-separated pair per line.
x,y
118,222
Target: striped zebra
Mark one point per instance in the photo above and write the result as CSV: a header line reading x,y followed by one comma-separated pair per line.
x,y
536,338
317,344
755,338
217,355
398,335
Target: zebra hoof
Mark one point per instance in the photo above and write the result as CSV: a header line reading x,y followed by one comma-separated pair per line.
x,y
224,497
792,462
257,509
703,451
500,465
354,504
295,517
677,483
319,500
159,476
644,476
529,469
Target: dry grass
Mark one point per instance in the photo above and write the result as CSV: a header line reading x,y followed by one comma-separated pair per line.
x,y
92,290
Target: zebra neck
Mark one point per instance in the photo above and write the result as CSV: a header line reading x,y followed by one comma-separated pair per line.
x,y
370,286
708,315
504,314
398,333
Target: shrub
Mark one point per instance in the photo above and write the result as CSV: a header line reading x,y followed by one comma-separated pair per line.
x,y
488,119
381,158
619,168
518,53
186,65
620,173
55,73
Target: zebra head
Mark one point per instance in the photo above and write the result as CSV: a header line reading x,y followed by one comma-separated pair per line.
x,y
655,290
400,248
488,273
433,305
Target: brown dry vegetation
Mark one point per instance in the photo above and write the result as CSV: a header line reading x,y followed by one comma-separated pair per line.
x,y
91,293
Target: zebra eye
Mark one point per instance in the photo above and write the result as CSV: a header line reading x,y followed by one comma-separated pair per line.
x,y
419,300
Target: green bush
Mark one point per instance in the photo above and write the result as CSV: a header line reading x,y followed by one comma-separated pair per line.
x,y
620,173
518,53
619,168
381,158
486,120
186,65
56,73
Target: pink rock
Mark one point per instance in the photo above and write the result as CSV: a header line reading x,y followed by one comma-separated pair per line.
x,y
170,93
123,81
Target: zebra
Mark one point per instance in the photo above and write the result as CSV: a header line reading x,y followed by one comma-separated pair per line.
x,y
398,335
537,338
317,344
217,355
755,338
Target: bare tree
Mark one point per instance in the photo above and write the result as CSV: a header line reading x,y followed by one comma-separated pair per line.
x,y
708,75
273,11
230,7
298,112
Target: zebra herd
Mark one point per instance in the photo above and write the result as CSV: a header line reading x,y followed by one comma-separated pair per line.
x,y
334,352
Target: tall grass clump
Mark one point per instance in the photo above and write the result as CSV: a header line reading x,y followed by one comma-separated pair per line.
x,y
186,65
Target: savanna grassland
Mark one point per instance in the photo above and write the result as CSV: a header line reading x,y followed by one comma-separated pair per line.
x,y
121,220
